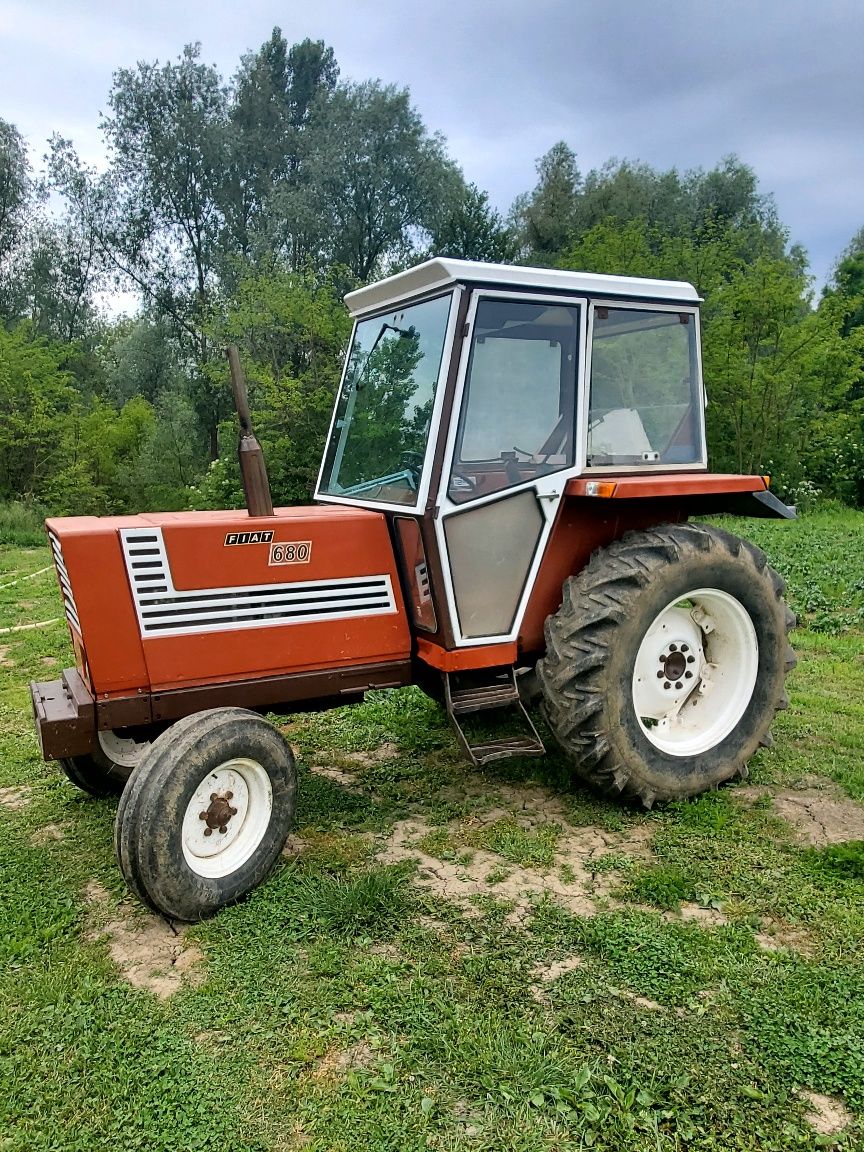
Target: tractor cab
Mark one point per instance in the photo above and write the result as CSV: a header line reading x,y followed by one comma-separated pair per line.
x,y
476,396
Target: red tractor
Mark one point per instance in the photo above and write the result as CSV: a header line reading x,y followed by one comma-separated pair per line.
x,y
502,517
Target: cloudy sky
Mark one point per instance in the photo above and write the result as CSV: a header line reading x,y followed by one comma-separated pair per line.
x,y
670,82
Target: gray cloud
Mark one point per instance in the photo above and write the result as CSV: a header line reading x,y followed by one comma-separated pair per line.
x,y
779,82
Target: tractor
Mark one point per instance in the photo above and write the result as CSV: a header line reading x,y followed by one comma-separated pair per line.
x,y
503,517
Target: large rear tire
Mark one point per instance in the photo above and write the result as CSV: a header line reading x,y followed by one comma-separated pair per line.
x,y
666,663
206,813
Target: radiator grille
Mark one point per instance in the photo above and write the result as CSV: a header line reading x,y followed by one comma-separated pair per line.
x,y
69,605
163,610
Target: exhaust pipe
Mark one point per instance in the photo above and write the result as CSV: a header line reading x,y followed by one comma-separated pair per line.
x,y
253,470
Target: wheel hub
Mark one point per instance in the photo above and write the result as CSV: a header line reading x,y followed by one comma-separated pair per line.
x,y
669,664
695,671
218,813
677,664
226,817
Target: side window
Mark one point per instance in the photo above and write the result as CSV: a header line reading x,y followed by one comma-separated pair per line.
x,y
644,404
518,408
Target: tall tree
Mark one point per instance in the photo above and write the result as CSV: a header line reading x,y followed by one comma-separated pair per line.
x,y
273,92
18,190
471,229
547,217
376,178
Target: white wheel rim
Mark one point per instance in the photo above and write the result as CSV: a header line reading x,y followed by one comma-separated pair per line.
x,y
227,817
695,672
122,750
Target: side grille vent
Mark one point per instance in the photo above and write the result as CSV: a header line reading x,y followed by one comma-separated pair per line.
x,y
163,610
69,605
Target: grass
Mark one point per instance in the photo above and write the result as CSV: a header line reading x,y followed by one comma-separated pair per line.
x,y
348,1004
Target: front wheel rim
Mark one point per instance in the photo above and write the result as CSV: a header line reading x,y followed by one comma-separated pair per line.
x,y
227,818
695,672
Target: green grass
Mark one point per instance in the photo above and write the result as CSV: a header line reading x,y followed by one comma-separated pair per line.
x,y
347,1004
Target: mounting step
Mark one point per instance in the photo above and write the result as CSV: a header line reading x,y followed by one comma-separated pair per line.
x,y
490,690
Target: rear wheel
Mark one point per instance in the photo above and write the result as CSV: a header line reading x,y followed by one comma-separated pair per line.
x,y
206,813
666,662
105,770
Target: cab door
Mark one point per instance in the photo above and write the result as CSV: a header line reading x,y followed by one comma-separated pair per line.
x,y
513,440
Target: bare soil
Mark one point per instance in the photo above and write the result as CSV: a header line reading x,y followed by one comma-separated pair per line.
x,y
827,1115
337,1061
15,798
42,836
523,886
819,812
149,952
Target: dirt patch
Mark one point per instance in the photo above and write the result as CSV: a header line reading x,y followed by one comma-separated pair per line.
x,y
820,816
375,756
294,845
149,952
825,1114
15,798
345,778
479,871
819,812
51,832
5,649
337,1061
706,916
778,935
546,974
342,768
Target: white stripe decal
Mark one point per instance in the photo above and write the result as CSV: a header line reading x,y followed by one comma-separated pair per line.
x,y
164,611
69,605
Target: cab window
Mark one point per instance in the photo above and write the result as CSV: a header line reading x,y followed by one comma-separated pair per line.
x,y
518,408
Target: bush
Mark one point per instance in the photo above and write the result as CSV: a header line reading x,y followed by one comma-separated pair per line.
x,y
21,523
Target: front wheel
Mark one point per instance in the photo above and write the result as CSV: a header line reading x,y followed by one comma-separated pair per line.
x,y
206,813
666,662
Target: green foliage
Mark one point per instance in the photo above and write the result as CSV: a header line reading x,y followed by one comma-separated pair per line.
x,y
36,400
292,331
22,524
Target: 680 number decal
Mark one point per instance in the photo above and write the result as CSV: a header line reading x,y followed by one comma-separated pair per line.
x,y
298,552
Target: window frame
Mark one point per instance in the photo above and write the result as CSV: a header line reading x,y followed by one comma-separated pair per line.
x,y
626,305
462,395
454,292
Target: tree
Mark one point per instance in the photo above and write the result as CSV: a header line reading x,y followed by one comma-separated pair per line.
x,y
547,217
273,92
292,331
18,192
471,229
376,179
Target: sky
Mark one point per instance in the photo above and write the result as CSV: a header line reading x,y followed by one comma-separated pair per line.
x,y
669,82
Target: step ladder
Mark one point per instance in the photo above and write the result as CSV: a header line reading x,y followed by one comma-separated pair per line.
x,y
491,690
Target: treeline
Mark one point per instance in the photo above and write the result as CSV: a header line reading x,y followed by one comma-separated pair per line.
x,y
243,211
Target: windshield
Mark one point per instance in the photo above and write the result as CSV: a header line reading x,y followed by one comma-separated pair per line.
x,y
644,403
379,437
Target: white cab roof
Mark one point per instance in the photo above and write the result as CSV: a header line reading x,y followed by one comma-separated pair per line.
x,y
439,273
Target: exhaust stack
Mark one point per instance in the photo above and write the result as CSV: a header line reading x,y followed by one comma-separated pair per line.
x,y
253,470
